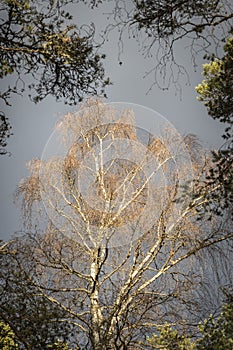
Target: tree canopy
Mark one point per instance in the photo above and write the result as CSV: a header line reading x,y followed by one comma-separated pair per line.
x,y
159,26
217,334
7,337
108,241
214,334
216,89
114,246
47,54
32,321
216,92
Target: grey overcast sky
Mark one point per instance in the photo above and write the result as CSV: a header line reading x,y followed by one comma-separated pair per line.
x,y
33,124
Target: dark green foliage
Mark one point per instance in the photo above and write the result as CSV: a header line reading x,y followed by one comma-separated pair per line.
x,y
47,53
215,334
7,337
170,339
8,340
38,39
216,91
165,18
35,322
